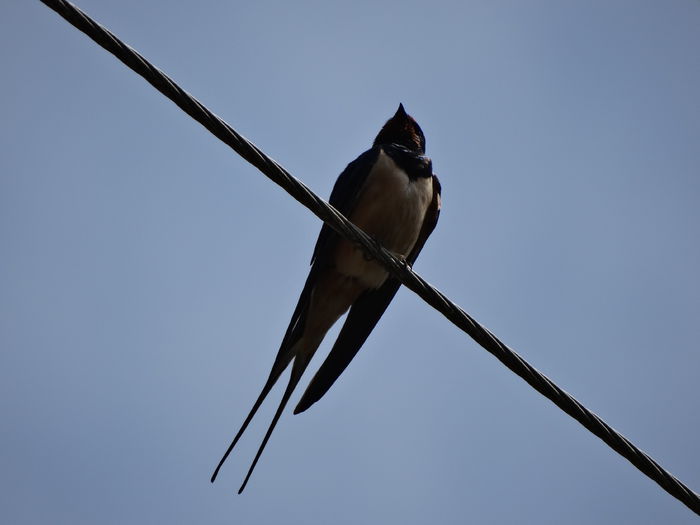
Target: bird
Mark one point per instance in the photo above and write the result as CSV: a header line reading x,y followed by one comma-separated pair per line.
x,y
392,194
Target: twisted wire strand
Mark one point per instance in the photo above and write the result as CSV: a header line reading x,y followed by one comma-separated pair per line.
x,y
398,268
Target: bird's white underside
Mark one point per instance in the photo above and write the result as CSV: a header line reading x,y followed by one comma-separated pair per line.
x,y
391,208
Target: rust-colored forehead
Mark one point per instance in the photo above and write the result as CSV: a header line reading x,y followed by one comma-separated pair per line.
x,y
402,129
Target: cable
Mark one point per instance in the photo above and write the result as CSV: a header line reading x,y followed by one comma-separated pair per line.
x,y
398,268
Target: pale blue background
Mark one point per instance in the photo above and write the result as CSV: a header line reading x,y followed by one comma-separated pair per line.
x,y
147,273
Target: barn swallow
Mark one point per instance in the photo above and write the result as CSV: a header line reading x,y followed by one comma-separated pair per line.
x,y
391,193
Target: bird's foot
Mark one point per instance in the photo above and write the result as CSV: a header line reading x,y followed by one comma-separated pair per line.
x,y
405,265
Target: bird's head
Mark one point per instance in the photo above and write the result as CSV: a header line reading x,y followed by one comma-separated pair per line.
x,y
403,130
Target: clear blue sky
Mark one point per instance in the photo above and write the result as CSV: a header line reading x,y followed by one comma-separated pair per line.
x,y
147,273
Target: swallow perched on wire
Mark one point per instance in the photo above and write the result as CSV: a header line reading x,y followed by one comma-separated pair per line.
x,y
391,193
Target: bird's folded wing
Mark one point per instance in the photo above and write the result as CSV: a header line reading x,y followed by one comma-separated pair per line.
x,y
363,317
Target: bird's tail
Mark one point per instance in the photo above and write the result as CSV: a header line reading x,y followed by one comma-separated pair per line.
x,y
280,365
301,361
292,338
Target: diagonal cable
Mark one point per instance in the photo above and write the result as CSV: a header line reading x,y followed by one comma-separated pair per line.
x,y
398,269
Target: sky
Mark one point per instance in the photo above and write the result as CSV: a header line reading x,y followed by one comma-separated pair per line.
x,y
147,273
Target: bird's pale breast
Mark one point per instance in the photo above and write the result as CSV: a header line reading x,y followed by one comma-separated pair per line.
x,y
391,208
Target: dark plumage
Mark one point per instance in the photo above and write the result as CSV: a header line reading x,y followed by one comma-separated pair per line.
x,y
391,193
